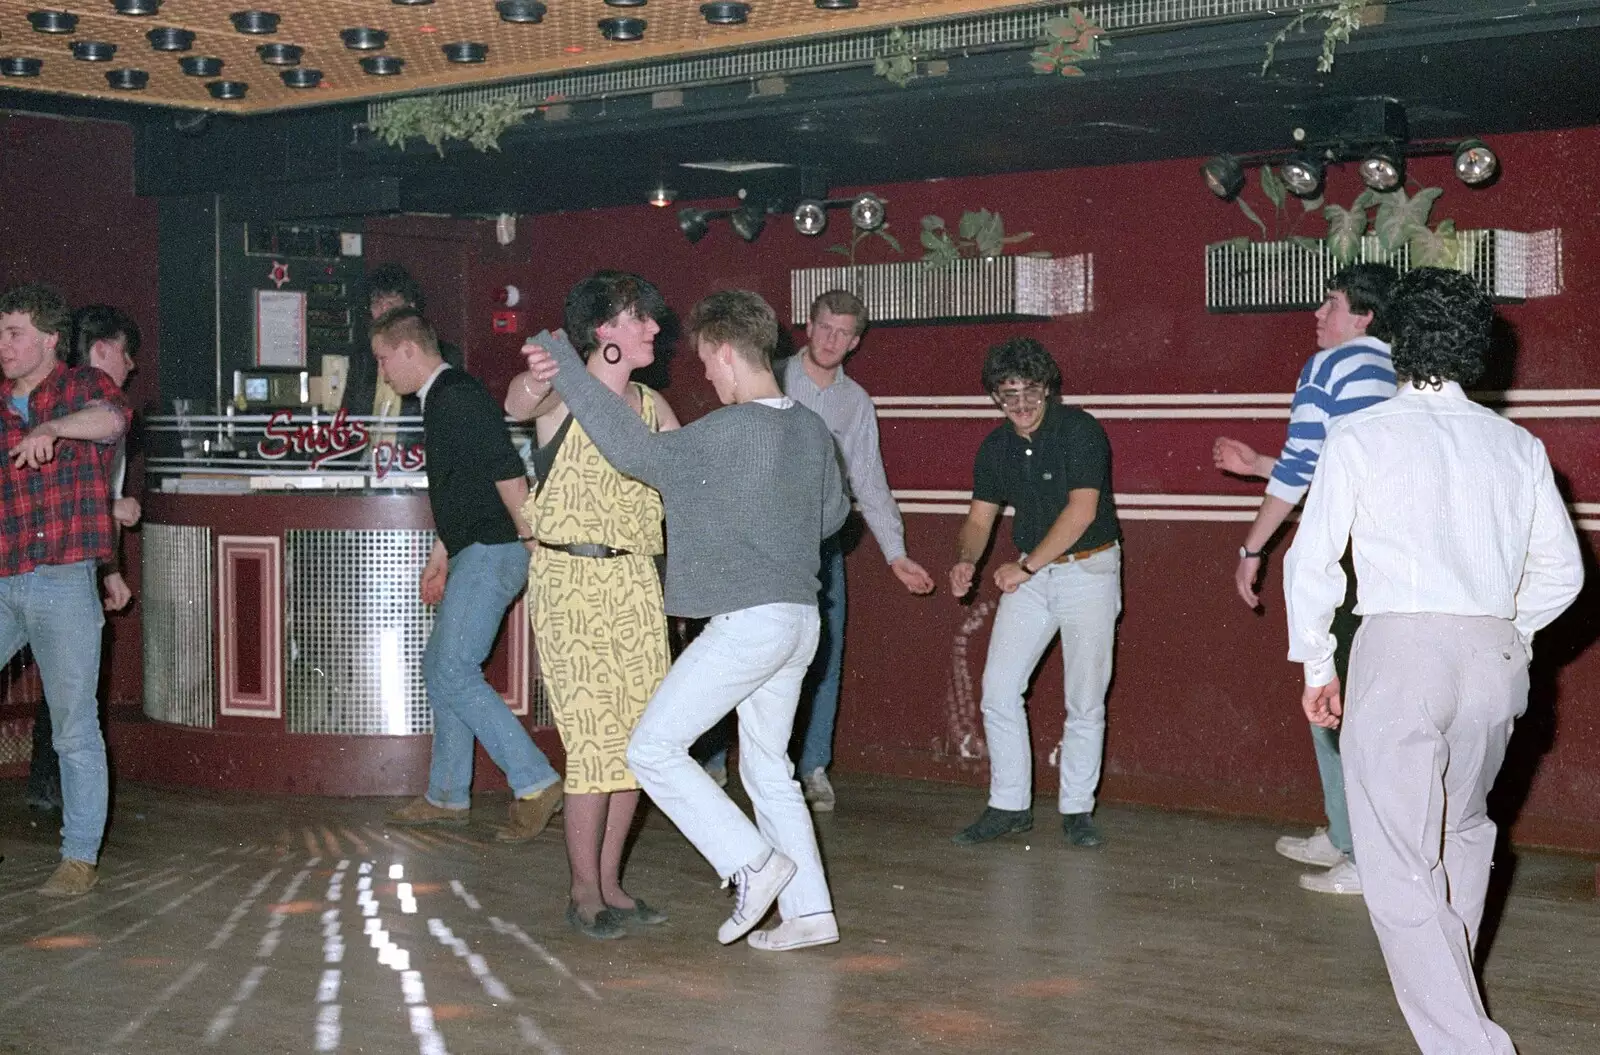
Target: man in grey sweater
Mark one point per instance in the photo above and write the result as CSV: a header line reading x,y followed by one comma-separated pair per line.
x,y
750,491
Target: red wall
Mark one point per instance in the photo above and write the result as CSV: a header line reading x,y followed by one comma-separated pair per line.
x,y
1204,711
70,219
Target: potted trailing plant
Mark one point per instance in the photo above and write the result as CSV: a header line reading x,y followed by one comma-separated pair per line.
x,y
981,233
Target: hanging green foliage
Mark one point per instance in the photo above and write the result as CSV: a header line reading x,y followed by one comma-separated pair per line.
x,y
1068,41
436,120
980,233
897,60
1341,19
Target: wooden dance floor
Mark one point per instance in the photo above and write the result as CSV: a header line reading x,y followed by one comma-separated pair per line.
x,y
268,925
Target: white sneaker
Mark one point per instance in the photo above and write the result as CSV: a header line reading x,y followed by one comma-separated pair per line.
x,y
1316,850
1342,878
818,792
800,933
757,887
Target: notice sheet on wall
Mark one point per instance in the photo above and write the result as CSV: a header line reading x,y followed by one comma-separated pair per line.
x,y
280,327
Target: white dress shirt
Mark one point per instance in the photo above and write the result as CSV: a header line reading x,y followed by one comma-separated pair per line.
x,y
1450,508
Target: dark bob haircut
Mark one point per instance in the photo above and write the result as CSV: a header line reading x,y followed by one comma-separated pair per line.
x,y
1441,324
1020,359
100,322
392,278
1368,287
603,296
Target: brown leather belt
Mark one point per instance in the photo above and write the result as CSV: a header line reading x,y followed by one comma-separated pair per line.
x,y
1068,558
585,549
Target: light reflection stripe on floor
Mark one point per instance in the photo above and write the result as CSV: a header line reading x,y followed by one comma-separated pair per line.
x,y
126,1033
70,924
223,1021
22,998
520,936
58,906
224,932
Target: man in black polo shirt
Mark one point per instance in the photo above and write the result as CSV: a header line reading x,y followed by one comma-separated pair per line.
x,y
1053,464
479,564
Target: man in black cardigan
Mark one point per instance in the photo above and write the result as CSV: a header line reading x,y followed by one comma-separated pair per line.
x,y
478,567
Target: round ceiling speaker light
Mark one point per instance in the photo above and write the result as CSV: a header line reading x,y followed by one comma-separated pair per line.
x,y
810,217
726,13
227,91
301,78
866,212
626,3
412,3
522,12
280,54
837,5
127,80
382,65
465,51
200,65
20,66
361,38
622,29
137,8
171,39
259,23
93,50
53,21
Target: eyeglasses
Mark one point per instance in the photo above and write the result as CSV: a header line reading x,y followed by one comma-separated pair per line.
x,y
1031,396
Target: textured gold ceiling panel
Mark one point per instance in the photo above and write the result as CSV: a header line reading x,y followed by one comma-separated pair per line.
x,y
568,39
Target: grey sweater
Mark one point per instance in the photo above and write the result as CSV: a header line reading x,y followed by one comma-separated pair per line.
x,y
750,492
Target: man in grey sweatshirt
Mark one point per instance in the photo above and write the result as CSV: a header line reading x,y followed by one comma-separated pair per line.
x,y
750,490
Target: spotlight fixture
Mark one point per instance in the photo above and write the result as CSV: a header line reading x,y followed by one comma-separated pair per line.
x,y
866,212
694,223
363,38
837,5
227,91
93,50
127,80
623,29
137,8
810,217
1224,175
748,221
52,21
1383,169
1302,174
170,39
200,65
662,195
301,78
466,51
255,22
725,13
382,65
277,54
1476,164
526,12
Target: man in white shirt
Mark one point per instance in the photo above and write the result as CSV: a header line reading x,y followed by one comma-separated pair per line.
x,y
1463,551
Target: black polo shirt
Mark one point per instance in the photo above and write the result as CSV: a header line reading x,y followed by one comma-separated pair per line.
x,y
1067,452
468,449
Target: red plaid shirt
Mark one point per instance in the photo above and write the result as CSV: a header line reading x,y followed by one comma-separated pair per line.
x,y
60,513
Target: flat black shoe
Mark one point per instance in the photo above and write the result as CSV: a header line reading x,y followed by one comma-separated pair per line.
x,y
607,923
641,913
1080,830
992,824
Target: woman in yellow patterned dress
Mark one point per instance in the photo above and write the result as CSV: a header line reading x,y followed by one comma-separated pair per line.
x,y
594,595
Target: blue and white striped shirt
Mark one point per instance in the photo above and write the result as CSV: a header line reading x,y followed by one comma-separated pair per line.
x,y
1335,382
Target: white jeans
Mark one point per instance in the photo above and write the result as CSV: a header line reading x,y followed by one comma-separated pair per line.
x,y
752,660
1080,602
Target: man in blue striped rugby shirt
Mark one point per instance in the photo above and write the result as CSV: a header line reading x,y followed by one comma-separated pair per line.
x,y
1351,371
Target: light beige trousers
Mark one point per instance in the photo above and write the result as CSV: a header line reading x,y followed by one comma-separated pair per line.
x,y
1428,712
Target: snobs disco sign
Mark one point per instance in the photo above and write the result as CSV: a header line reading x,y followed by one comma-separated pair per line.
x,y
337,440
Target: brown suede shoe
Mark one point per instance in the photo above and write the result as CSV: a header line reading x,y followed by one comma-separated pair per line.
x,y
420,811
528,817
71,879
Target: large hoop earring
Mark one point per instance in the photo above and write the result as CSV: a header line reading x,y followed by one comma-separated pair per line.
x,y
611,353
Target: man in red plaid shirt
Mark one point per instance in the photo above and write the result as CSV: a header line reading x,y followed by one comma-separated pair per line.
x,y
58,427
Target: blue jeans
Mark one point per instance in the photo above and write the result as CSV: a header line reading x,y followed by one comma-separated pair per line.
x,y
816,722
482,583
56,609
1326,741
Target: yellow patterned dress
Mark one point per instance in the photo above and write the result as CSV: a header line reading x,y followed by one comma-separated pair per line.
x,y
598,622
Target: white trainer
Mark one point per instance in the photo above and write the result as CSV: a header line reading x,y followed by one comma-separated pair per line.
x,y
756,888
1342,878
1317,850
799,933
818,792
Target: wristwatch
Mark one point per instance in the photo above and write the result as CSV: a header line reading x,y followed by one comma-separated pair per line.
x,y
1245,553
1022,562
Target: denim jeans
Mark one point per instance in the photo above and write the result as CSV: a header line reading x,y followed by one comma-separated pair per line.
x,y
56,609
752,660
814,723
482,583
1080,602
1330,769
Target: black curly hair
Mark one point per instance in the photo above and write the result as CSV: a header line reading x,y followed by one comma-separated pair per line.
x,y
1020,359
1441,320
1368,287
